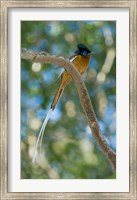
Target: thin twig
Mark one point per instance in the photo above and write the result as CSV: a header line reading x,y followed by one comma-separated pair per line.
x,y
44,57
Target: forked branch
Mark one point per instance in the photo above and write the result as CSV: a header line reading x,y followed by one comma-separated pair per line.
x,y
44,57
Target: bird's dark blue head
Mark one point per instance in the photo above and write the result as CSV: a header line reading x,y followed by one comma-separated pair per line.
x,y
82,50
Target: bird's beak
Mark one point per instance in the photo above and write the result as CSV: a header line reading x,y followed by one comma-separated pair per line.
x,y
91,53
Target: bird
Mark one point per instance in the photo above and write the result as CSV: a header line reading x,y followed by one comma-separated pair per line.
x,y
80,59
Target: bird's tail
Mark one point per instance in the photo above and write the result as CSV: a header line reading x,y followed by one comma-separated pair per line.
x,y
41,133
57,97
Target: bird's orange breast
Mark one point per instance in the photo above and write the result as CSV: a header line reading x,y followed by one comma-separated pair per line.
x,y
81,64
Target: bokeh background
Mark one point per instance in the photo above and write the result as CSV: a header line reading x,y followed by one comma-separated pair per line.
x,y
69,150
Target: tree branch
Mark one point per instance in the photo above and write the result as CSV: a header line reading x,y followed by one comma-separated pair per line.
x,y
44,57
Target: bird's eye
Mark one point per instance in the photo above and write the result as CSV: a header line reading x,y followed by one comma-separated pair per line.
x,y
84,53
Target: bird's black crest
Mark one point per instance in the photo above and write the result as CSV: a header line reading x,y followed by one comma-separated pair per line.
x,y
82,48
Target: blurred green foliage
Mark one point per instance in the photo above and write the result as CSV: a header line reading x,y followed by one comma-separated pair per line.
x,y
69,149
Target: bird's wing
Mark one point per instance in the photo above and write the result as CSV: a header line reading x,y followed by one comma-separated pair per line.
x,y
72,58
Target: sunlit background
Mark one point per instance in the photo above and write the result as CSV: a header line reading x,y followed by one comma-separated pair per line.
x,y
69,150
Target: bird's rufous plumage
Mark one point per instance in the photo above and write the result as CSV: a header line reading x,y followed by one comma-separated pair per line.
x,y
81,62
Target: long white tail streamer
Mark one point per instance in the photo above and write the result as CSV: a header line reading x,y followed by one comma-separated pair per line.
x,y
40,136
